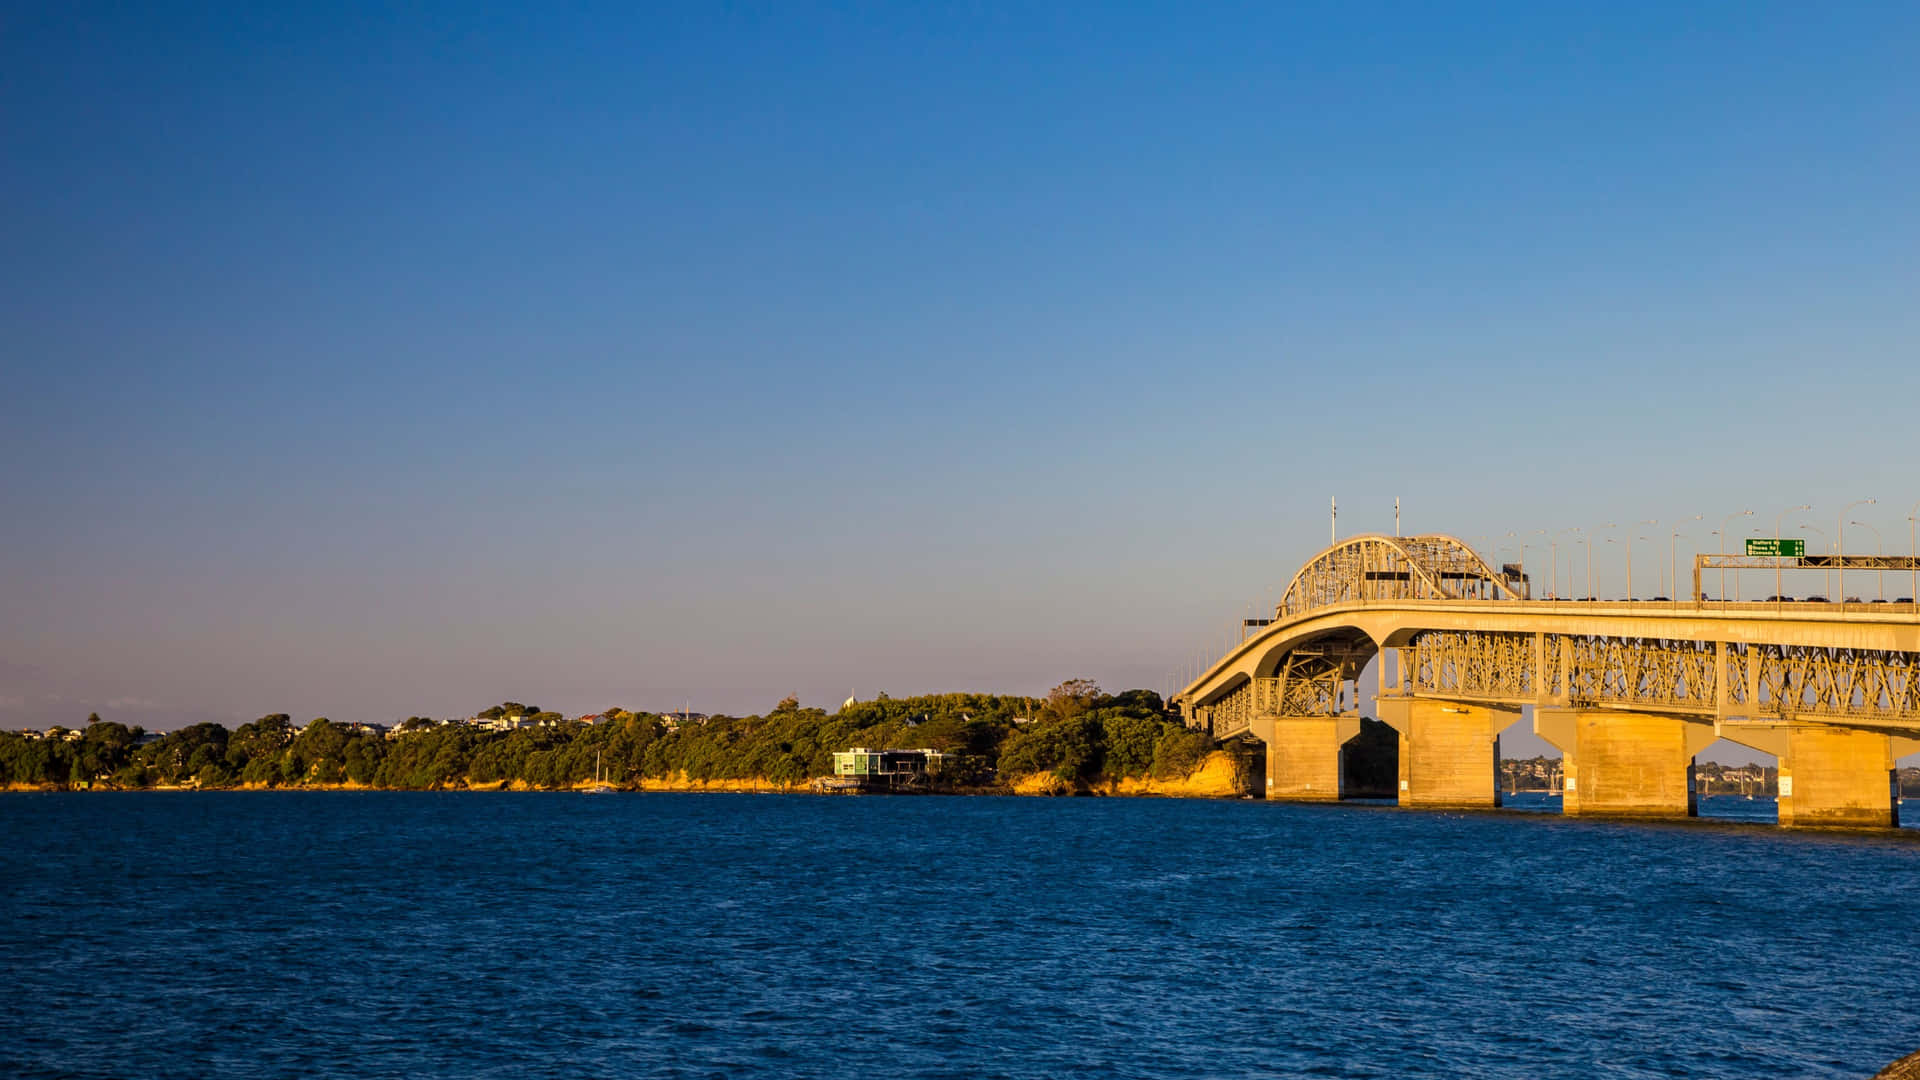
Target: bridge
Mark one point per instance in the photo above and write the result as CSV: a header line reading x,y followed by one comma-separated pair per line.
x,y
1629,691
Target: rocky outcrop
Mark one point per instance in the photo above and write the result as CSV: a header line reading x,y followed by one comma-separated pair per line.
x,y
1907,1068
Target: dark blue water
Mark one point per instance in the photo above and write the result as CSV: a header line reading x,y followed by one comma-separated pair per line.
x,y
1760,810
497,935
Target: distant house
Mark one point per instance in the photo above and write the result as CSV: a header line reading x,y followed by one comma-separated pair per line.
x,y
673,720
886,769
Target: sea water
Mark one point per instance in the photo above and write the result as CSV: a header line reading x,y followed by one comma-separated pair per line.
x,y
665,935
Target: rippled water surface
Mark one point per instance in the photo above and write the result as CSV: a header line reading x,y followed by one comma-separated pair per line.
x,y
498,935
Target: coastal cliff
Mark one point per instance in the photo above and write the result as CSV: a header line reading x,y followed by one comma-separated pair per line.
x,y
1220,775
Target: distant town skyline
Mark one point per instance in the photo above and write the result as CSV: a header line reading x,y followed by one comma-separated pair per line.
x,y
372,363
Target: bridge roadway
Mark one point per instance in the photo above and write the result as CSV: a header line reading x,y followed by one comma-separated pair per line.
x,y
1629,691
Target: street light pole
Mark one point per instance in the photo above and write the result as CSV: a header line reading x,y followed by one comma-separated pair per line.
x,y
1627,542
1840,540
1879,549
1590,536
1777,559
1673,565
1630,540
1723,551
1913,590
1826,579
1549,537
1556,561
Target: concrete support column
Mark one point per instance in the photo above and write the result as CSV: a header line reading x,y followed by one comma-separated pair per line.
x,y
1624,764
1449,751
1830,776
1303,754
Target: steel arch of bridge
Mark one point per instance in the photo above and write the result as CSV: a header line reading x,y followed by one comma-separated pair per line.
x,y
1375,568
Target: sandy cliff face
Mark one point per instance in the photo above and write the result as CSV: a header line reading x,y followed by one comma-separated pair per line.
x,y
683,782
1044,784
1218,776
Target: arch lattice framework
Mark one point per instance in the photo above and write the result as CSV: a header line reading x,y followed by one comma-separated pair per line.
x,y
1374,567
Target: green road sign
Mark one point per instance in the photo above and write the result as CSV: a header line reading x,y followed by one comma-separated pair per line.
x,y
1770,547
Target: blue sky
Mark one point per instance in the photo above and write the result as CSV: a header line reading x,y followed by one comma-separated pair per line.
x,y
377,360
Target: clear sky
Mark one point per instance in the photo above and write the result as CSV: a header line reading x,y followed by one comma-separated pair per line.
x,y
366,361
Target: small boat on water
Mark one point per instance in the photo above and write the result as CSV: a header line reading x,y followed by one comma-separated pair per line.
x,y
600,785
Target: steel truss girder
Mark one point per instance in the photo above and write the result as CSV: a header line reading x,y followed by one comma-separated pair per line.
x,y
1644,672
1840,684
1311,682
1471,664
1228,715
1866,687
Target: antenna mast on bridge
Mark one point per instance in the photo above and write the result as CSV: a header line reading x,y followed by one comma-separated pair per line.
x,y
1333,523
1396,515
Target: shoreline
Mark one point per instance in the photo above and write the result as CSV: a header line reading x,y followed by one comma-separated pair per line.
x,y
1218,776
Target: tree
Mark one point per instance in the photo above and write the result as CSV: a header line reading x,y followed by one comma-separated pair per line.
x,y
1178,751
1130,740
1069,749
105,748
93,718
1071,698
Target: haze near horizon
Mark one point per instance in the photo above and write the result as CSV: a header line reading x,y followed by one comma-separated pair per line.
x,y
374,362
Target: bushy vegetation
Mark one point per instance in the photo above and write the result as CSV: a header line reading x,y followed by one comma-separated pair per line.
x,y
1083,736
1076,732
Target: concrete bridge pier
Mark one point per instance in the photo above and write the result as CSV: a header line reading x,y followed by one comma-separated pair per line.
x,y
1624,764
1304,755
1830,777
1449,750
